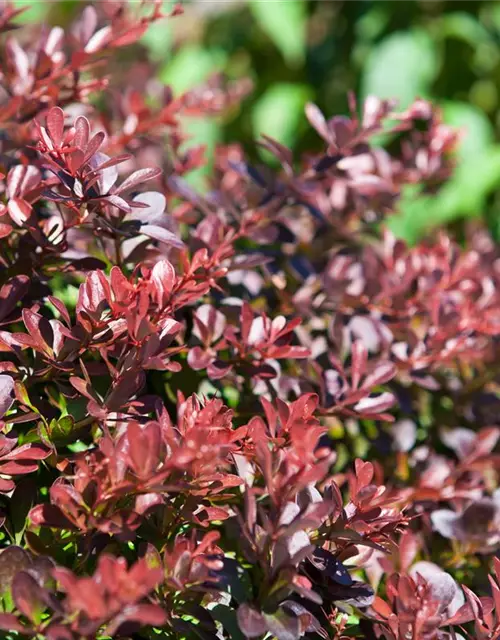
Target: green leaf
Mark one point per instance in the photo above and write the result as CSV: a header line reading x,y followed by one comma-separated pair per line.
x,y
279,112
206,131
44,434
78,446
371,24
35,11
191,66
227,617
231,397
402,66
478,131
285,24
64,291
62,429
463,196
158,37
462,26
22,395
22,500
283,625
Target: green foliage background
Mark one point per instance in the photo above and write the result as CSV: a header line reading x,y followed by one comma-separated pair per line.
x,y
300,50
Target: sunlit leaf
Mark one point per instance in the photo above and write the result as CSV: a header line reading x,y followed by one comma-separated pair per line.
x,y
279,112
285,23
402,66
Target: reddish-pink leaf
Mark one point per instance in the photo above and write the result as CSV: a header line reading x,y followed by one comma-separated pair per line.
x,y
163,280
9,622
19,210
5,230
99,40
55,125
82,130
317,120
144,447
94,144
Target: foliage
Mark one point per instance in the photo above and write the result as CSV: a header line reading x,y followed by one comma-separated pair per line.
x,y
189,380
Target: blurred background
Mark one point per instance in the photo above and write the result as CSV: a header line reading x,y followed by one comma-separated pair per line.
x,y
296,51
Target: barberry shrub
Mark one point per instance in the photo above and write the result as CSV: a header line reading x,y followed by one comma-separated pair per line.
x,y
248,411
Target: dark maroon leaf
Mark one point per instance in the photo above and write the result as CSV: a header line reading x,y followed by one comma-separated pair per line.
x,y
28,596
11,293
12,560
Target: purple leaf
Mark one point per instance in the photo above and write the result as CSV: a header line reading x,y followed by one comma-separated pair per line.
x,y
118,202
283,625
317,120
251,621
162,235
154,211
404,433
445,522
105,167
443,588
138,177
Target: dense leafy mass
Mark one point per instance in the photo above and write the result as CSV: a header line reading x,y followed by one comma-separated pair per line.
x,y
244,412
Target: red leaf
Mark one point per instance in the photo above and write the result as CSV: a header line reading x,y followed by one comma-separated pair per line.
x,y
82,387
144,447
364,472
359,356
55,125
94,145
5,230
9,622
82,130
383,372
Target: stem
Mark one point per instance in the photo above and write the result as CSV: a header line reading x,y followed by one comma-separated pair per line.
x,y
83,423
118,255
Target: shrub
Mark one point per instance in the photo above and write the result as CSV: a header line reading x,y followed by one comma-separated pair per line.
x,y
189,380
